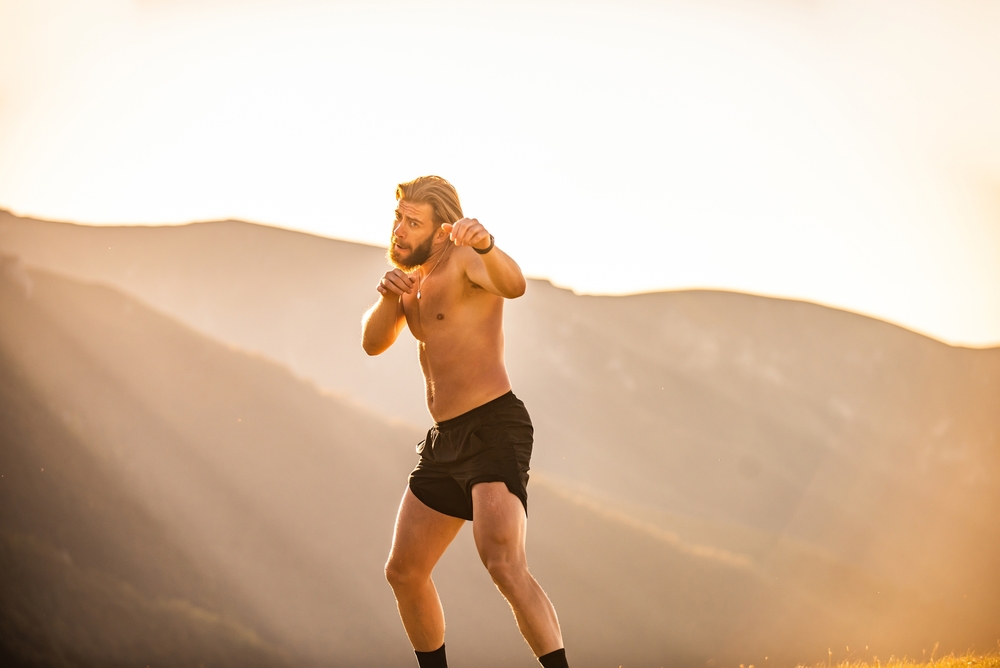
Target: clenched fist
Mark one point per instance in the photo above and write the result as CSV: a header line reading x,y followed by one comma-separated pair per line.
x,y
468,232
395,282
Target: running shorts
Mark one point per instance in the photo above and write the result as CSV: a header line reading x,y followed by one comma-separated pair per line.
x,y
490,443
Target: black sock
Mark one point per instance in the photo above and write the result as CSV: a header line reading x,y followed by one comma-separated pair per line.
x,y
556,659
435,659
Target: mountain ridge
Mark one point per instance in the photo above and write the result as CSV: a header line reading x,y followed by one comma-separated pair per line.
x,y
7,216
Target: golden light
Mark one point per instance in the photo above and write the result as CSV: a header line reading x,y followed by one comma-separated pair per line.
x,y
842,153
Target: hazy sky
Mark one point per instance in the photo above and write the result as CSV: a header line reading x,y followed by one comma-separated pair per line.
x,y
842,152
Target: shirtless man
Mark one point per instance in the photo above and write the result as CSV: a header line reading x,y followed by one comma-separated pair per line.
x,y
448,286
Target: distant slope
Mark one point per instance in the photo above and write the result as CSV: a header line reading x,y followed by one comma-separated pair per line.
x,y
200,504
292,296
832,451
258,479
88,577
836,430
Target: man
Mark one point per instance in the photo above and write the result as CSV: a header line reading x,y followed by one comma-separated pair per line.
x,y
448,286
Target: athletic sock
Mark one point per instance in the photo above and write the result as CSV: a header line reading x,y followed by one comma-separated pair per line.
x,y
435,659
556,659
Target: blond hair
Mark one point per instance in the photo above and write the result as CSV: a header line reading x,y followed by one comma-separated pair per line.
x,y
435,191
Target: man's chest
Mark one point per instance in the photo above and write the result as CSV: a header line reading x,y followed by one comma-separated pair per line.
x,y
443,311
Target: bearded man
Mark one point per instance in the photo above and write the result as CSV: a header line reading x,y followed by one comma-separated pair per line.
x,y
448,286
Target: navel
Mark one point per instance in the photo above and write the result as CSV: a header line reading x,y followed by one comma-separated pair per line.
x,y
440,316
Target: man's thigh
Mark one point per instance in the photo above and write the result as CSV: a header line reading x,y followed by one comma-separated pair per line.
x,y
421,535
500,524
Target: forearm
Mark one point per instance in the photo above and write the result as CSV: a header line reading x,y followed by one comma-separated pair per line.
x,y
381,324
504,273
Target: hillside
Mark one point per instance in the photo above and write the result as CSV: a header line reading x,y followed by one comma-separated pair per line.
x,y
240,464
88,576
294,297
849,434
718,476
202,504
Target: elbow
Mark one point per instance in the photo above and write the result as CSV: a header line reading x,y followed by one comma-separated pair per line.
x,y
370,348
367,344
517,289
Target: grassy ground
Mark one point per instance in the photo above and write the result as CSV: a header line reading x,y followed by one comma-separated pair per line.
x,y
950,661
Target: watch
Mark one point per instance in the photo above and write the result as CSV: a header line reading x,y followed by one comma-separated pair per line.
x,y
485,250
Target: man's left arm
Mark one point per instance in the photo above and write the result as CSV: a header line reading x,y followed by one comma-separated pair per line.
x,y
495,271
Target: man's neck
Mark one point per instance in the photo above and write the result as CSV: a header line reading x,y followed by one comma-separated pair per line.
x,y
438,254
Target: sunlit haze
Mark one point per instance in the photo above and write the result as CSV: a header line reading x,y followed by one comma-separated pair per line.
x,y
843,152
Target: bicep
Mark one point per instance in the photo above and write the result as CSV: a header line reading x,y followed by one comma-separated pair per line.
x,y
476,272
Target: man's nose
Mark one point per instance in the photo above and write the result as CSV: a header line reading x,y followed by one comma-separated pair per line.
x,y
398,229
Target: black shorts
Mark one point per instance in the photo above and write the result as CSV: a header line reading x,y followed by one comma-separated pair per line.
x,y
490,443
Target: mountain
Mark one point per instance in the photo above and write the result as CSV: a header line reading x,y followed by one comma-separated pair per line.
x,y
294,297
167,497
846,433
243,470
718,477
88,576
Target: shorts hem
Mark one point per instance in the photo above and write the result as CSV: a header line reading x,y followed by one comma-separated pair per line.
x,y
424,499
514,488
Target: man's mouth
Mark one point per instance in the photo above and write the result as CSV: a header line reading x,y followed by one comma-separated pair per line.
x,y
396,244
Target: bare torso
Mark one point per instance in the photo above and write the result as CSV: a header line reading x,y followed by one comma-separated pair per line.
x,y
448,286
459,329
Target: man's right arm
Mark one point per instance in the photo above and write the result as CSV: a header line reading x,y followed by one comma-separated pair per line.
x,y
382,323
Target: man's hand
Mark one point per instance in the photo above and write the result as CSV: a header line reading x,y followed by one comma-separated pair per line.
x,y
395,282
468,232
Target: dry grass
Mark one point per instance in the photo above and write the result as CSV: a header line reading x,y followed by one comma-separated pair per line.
x,y
951,661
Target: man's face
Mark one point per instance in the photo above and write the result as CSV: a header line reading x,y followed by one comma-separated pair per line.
x,y
412,235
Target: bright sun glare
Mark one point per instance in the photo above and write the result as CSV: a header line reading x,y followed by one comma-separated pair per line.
x,y
840,153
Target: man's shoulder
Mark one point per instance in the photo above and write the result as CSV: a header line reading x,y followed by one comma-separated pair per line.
x,y
467,266
465,253
462,258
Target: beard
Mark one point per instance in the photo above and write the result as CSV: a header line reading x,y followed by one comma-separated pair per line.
x,y
417,256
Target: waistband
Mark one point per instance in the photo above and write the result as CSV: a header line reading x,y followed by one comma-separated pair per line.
x,y
458,420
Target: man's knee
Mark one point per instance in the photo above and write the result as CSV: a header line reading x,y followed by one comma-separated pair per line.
x,y
399,573
507,574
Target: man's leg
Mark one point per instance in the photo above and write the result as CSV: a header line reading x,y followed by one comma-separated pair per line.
x,y
421,537
499,529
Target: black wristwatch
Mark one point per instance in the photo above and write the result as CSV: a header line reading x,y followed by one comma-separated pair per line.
x,y
485,250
